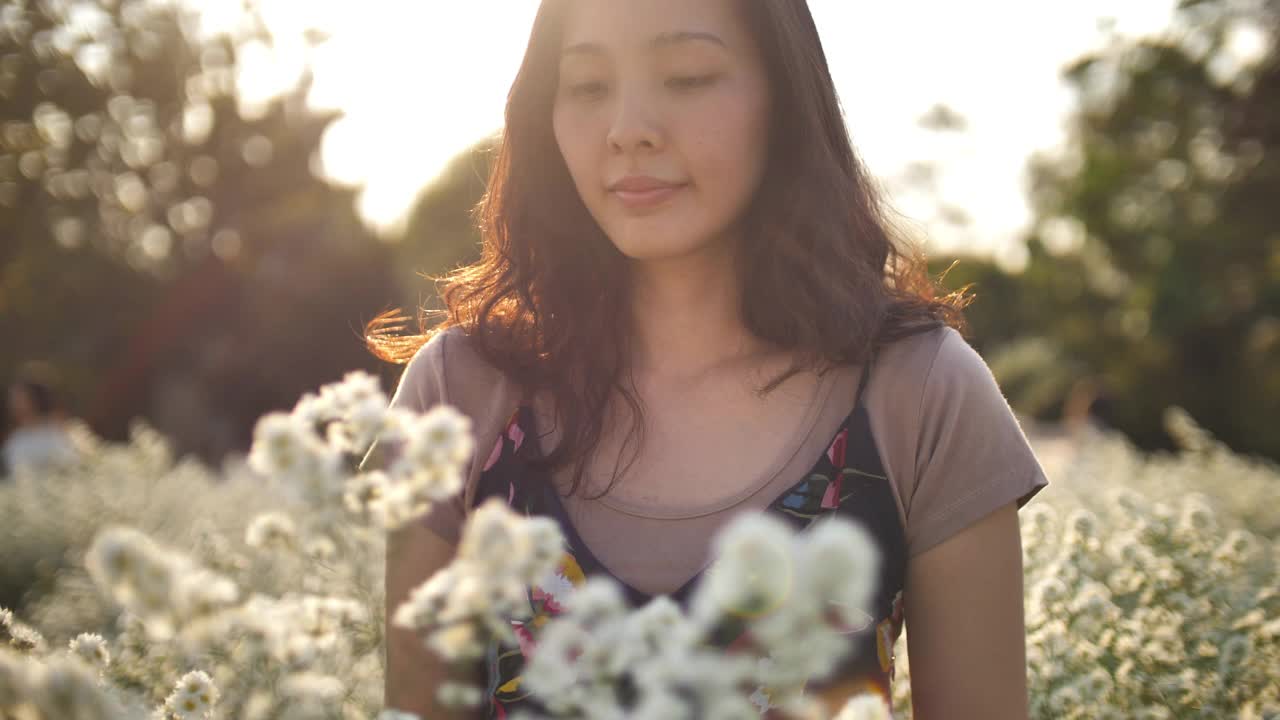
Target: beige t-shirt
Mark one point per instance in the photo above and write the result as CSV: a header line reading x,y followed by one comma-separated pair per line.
x,y
949,443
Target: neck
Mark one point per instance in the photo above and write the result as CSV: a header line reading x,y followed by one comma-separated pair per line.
x,y
687,318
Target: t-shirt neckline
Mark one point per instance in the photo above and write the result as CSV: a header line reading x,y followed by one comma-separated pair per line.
x,y
818,402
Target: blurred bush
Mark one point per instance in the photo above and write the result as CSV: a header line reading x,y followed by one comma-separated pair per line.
x,y
1153,276
167,246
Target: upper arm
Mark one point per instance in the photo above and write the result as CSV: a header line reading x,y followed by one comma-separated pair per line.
x,y
967,469
414,554
965,624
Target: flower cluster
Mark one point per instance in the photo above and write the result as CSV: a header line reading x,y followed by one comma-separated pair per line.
x,y
19,636
92,648
500,554
164,588
671,663
192,698
297,630
1151,582
306,448
1151,586
52,689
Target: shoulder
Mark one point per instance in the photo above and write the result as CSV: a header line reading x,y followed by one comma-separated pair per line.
x,y
927,363
449,369
903,367
950,442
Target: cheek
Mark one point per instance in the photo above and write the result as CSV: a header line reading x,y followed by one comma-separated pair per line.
x,y
571,139
729,150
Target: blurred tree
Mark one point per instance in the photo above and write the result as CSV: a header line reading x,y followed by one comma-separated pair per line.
x,y
441,232
1153,276
166,242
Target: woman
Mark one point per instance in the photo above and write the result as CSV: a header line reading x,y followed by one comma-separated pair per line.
x,y
39,438
691,305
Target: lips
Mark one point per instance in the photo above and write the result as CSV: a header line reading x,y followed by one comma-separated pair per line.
x,y
641,183
639,192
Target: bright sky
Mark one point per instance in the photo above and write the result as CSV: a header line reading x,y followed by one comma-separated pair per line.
x,y
996,62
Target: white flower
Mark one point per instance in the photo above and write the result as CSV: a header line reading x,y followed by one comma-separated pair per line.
x,y
193,696
426,601
65,688
866,706
492,539
1040,519
436,483
1048,592
442,436
1235,652
16,675
295,649
1081,525
1096,684
312,686
269,529
197,592
288,450
553,672
1197,517
360,423
397,504
281,445
840,568
456,642
660,705
355,388
1236,548
545,549
1065,699
459,695
754,570
390,714
115,555
138,575
365,489
321,548
312,409
92,648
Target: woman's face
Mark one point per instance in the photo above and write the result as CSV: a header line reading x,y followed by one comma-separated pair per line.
x,y
661,114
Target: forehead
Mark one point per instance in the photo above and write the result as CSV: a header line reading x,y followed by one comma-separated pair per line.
x,y
639,26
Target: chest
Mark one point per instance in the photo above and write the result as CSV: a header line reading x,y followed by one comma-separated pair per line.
x,y
698,445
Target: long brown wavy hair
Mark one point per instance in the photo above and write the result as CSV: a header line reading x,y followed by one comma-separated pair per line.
x,y
825,275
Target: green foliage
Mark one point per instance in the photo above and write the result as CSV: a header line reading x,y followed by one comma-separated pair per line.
x,y
442,232
167,248
1154,266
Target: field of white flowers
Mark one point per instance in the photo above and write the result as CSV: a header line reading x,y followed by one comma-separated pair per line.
x,y
142,586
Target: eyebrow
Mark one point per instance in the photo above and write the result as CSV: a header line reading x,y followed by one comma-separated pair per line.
x,y
661,40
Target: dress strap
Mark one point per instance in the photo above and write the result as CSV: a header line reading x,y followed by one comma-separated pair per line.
x,y
866,377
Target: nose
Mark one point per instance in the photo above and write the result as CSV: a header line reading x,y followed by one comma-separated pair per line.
x,y
635,126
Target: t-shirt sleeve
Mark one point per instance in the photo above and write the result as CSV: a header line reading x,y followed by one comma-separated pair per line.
x,y
423,386
972,456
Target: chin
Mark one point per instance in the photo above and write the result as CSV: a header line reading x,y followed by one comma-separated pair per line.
x,y
660,250
648,244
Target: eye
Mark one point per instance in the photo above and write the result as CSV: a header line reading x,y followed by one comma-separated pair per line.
x,y
689,82
588,90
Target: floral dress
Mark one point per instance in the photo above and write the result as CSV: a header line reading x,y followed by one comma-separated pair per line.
x,y
848,479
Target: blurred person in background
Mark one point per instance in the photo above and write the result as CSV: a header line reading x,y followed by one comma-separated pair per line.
x,y
39,436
